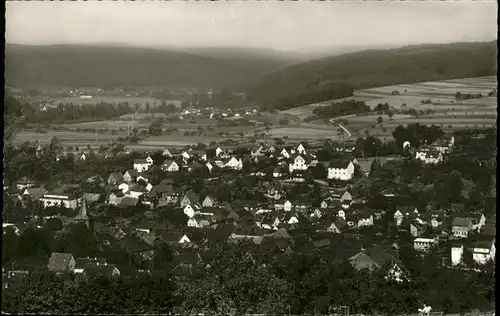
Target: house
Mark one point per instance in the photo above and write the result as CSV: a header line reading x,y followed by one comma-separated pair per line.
x,y
185,155
128,201
63,200
483,251
429,155
233,163
208,202
61,262
189,198
170,166
365,218
460,227
124,187
256,151
115,197
416,229
457,252
218,152
35,194
284,154
478,221
277,172
301,149
109,270
136,191
337,226
145,227
424,244
398,217
167,153
299,163
198,222
189,210
375,258
24,183
80,263
7,226
130,175
141,165
340,170
115,178
287,206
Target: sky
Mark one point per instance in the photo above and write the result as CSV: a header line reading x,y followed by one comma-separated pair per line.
x,y
279,25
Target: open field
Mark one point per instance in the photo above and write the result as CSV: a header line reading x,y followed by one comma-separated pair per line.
x,y
66,138
108,99
442,95
303,132
110,124
450,114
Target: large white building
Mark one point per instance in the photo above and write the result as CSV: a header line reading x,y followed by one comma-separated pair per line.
x,y
340,170
457,253
424,244
62,200
483,251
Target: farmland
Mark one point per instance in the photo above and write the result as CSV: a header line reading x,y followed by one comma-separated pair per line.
x,y
447,112
106,99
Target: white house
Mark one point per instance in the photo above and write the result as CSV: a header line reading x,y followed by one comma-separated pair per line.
x,y
234,163
185,155
136,191
63,200
193,222
457,252
170,166
284,153
299,163
124,187
209,166
398,217
340,170
190,210
167,153
301,150
141,165
429,156
483,251
424,244
218,152
287,206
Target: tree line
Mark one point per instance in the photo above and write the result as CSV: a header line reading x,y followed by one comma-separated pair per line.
x,y
238,282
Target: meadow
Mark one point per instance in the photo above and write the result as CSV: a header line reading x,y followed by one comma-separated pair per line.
x,y
66,138
449,113
107,99
303,132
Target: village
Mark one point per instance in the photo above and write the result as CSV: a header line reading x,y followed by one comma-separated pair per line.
x,y
280,199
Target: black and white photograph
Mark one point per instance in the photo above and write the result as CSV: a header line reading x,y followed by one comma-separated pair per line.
x,y
241,158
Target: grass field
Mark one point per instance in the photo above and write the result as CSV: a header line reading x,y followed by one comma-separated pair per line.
x,y
304,132
66,138
450,114
108,99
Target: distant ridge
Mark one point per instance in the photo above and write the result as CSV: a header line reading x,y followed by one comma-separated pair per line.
x,y
307,82
123,64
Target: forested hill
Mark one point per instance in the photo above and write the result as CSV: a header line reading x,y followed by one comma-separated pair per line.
x,y
318,80
92,65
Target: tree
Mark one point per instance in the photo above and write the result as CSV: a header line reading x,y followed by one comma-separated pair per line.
x,y
390,114
155,128
455,186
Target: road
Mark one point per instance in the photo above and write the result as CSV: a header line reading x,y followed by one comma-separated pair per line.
x,y
342,127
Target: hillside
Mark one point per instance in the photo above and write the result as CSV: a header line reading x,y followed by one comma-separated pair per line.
x,y
93,65
317,80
